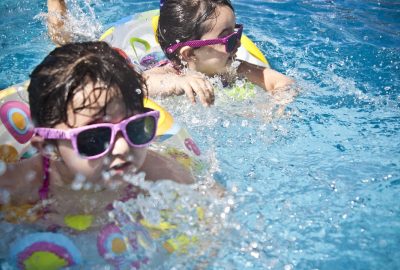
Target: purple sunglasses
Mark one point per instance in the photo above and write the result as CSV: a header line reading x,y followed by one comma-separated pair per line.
x,y
94,141
230,41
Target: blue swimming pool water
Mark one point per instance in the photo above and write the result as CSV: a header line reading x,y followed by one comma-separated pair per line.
x,y
316,188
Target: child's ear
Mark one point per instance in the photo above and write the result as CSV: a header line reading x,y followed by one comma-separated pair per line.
x,y
187,54
46,149
37,142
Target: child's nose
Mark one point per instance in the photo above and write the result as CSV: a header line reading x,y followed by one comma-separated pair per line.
x,y
121,146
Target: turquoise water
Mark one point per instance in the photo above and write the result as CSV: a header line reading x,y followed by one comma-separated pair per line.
x,y
316,188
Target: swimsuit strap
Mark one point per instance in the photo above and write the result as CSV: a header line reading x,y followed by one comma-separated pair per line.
x,y
44,190
168,62
162,63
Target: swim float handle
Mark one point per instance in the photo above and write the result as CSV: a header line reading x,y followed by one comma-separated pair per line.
x,y
108,32
141,41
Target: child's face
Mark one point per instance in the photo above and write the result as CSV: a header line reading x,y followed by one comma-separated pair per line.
x,y
213,59
109,169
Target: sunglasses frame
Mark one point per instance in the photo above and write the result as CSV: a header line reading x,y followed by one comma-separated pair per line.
x,y
72,134
206,42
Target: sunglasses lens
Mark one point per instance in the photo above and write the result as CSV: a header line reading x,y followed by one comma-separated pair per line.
x,y
94,141
231,43
141,131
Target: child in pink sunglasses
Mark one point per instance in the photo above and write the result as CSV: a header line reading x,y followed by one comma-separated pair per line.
x,y
203,36
91,131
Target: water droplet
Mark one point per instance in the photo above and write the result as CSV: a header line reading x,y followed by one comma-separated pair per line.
x,y
288,267
97,188
3,167
255,254
77,184
226,123
240,83
105,175
249,264
30,176
4,196
231,201
235,64
87,186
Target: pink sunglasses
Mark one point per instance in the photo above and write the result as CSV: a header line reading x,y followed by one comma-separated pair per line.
x,y
94,141
229,41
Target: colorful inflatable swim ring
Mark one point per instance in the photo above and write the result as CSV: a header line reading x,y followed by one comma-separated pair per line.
x,y
124,249
47,251
15,123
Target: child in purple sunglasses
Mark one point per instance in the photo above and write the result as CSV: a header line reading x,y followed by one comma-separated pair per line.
x,y
200,38
203,36
91,130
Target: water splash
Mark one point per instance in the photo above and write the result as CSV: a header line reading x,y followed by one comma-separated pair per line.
x,y
80,22
195,216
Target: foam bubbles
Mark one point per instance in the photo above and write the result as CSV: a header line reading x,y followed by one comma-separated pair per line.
x,y
201,215
78,182
30,175
80,23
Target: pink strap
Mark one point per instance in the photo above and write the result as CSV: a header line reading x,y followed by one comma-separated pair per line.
x,y
44,190
167,62
162,63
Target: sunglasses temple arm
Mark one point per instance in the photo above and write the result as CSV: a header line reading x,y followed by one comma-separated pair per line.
x,y
49,133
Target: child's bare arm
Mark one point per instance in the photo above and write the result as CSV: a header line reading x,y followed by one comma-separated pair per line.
x,y
269,79
57,11
162,82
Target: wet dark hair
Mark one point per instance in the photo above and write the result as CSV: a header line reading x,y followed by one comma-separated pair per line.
x,y
68,69
183,20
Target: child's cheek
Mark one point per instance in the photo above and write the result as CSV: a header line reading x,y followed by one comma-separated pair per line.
x,y
215,60
138,157
76,166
